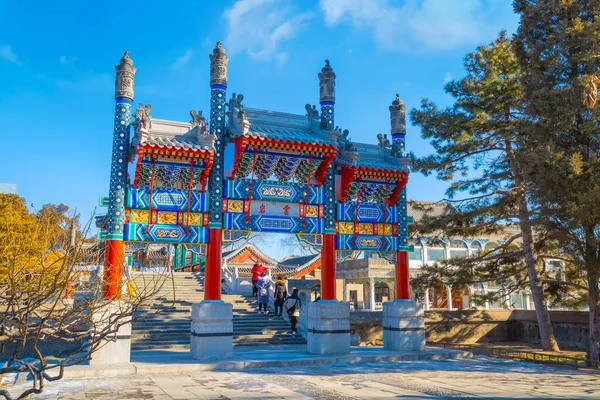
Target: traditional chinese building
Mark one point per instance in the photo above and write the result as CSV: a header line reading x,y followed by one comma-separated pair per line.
x,y
238,263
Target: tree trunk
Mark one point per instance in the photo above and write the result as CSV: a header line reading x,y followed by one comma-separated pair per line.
x,y
593,352
541,310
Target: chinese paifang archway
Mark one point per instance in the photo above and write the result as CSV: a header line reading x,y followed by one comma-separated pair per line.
x,y
204,183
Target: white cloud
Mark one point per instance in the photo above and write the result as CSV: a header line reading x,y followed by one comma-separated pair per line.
x,y
259,27
66,60
423,24
183,59
8,54
448,77
280,60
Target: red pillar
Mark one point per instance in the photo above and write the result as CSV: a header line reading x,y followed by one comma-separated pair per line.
x,y
113,270
402,288
328,267
212,270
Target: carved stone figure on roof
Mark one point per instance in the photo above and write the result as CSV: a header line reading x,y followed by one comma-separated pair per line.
x,y
345,134
199,123
398,116
312,112
344,142
142,117
218,66
348,145
384,142
327,83
238,122
125,78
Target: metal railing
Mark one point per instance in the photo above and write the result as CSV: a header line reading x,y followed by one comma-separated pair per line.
x,y
539,358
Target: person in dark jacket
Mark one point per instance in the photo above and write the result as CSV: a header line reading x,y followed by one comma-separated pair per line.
x,y
256,271
280,295
293,306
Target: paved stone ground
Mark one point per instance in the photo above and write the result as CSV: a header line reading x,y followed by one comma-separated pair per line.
x,y
454,379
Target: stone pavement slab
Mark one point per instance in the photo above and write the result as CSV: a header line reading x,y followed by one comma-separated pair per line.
x,y
178,361
447,379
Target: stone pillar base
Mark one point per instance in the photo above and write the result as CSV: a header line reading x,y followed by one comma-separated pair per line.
x,y
328,327
403,326
211,337
115,348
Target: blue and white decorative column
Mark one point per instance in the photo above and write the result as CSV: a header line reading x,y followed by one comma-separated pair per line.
x,y
117,347
212,319
328,322
403,318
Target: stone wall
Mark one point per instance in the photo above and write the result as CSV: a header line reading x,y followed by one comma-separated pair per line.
x,y
366,328
469,326
570,327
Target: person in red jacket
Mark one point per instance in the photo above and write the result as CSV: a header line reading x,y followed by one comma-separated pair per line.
x,y
256,271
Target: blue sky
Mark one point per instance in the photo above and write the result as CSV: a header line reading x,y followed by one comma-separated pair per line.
x,y
57,72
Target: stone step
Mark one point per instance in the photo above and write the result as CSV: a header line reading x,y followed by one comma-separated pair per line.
x,y
152,330
179,335
185,322
186,345
165,320
181,322
280,338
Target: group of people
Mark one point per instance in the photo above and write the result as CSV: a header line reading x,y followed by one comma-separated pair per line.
x,y
261,283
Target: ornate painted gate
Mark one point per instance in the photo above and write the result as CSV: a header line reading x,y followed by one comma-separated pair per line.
x,y
201,184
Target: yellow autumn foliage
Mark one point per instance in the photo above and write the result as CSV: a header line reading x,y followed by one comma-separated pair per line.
x,y
30,247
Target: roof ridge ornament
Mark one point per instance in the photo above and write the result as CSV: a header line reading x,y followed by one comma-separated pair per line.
x,y
238,123
311,111
384,143
143,120
327,83
347,152
218,65
199,124
125,77
398,116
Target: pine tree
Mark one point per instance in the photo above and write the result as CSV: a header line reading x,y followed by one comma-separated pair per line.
x,y
558,45
477,143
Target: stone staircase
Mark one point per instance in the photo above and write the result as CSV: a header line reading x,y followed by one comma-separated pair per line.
x,y
165,322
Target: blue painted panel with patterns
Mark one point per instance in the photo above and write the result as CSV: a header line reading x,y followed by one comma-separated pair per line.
x,y
367,212
367,242
167,199
136,231
239,189
262,223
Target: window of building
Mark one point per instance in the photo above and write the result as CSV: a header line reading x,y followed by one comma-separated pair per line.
x,y
458,253
416,254
435,254
382,293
